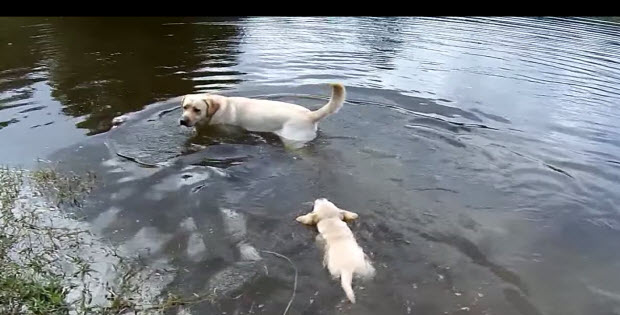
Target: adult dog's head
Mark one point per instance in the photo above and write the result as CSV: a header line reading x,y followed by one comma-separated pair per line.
x,y
198,108
325,209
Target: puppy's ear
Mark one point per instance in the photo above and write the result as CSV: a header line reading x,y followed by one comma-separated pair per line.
x,y
213,104
308,219
183,99
348,215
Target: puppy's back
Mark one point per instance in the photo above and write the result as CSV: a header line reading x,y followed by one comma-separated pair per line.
x,y
345,258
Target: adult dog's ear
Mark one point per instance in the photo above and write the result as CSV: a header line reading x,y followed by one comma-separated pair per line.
x,y
213,104
348,215
308,219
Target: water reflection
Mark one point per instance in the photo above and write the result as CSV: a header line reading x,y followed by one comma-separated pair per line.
x,y
109,67
21,59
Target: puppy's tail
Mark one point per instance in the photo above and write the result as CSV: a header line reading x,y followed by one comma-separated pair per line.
x,y
334,104
346,277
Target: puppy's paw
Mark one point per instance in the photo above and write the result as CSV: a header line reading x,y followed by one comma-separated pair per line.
x,y
348,215
305,219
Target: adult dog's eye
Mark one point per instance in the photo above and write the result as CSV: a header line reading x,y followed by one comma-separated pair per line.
x,y
197,110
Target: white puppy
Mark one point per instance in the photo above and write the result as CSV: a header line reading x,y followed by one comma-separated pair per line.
x,y
292,123
342,256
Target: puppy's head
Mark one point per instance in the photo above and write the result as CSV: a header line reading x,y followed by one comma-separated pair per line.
x,y
197,108
325,209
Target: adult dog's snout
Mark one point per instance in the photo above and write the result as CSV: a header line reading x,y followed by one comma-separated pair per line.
x,y
183,122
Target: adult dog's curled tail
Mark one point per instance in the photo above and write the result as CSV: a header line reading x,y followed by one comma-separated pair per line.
x,y
334,104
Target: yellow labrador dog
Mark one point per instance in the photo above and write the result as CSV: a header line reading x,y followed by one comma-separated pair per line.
x,y
342,256
292,123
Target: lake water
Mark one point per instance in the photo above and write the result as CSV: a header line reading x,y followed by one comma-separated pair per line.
x,y
482,154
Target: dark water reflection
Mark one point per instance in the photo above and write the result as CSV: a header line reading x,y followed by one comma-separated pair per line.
x,y
481,153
